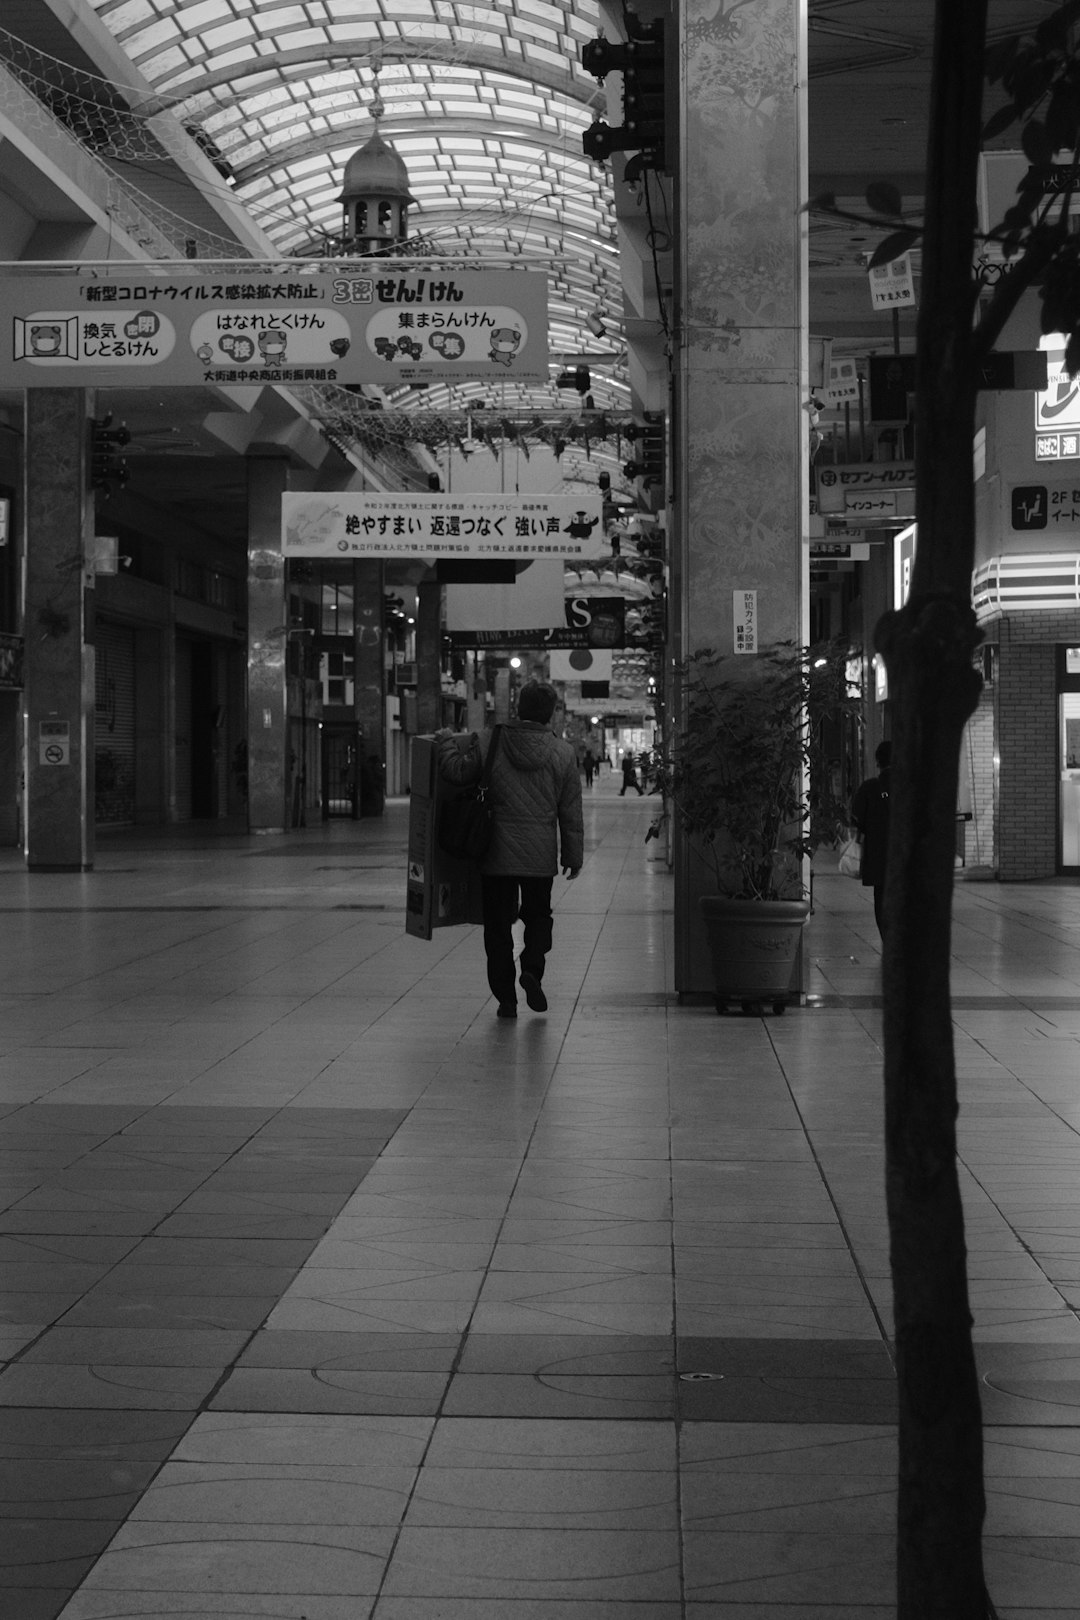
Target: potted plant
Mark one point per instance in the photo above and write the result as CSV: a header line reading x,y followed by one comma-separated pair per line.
x,y
746,776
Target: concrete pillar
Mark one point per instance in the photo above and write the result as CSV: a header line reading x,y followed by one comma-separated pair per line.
x,y
741,435
428,656
502,697
269,772
59,666
476,694
369,659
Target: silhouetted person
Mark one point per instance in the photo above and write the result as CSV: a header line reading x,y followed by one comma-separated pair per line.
x,y
870,813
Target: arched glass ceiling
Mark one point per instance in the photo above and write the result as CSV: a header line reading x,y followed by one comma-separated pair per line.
x,y
486,104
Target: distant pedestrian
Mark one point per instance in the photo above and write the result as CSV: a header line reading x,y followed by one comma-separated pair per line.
x,y
588,765
629,775
870,813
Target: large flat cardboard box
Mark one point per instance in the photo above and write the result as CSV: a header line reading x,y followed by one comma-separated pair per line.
x,y
441,892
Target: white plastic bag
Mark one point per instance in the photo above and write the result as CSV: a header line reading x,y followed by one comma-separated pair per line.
x,y
850,862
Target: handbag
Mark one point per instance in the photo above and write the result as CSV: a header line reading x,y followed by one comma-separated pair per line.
x,y
467,821
850,862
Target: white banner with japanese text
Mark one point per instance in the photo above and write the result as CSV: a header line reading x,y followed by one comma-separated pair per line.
x,y
354,324
366,524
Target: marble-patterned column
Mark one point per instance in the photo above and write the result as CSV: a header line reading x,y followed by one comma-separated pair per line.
x,y
369,661
742,495
269,772
428,656
59,666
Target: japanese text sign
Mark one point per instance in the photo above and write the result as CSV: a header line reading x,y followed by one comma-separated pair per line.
x,y
364,325
1045,506
413,525
892,285
838,487
744,612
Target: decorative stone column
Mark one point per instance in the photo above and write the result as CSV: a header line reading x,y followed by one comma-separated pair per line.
x,y
267,700
742,441
59,666
428,656
369,660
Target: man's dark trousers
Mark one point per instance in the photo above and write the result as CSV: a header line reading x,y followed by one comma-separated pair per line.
x,y
504,899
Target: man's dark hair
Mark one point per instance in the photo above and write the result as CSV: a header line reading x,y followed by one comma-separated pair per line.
x,y
537,701
883,755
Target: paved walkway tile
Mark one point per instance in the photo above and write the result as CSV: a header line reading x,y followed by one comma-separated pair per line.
x,y
325,1295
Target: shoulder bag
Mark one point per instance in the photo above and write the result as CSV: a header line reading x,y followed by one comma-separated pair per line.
x,y
467,821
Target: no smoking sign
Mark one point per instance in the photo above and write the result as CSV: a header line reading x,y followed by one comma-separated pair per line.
x,y
54,743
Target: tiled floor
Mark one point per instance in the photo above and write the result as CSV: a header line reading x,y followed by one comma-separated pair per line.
x,y
327,1296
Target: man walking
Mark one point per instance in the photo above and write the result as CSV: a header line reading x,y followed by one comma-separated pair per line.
x,y
629,774
535,792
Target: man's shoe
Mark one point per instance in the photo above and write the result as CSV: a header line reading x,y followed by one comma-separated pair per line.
x,y
507,1009
533,993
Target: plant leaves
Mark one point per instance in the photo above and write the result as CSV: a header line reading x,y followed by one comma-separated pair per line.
x,y
893,247
999,121
1072,354
1062,120
884,198
1037,145
1000,56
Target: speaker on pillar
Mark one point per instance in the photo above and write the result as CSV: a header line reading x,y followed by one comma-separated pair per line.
x,y
107,466
640,60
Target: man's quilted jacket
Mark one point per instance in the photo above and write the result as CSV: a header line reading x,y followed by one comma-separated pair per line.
x,y
535,792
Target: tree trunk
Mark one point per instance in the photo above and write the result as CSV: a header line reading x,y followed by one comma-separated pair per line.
x,y
928,649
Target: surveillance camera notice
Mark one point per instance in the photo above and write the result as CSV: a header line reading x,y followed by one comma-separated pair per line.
x,y
744,607
354,524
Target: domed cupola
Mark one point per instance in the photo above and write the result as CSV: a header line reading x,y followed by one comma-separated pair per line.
x,y
375,200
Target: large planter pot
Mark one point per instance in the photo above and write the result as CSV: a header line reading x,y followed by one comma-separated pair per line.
x,y
754,945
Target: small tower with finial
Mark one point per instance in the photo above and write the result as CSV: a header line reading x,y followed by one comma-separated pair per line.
x,y
375,200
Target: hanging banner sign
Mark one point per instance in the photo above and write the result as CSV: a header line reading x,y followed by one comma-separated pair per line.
x,y
354,325
892,285
591,621
358,524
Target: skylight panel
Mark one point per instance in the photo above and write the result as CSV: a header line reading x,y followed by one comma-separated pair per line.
x,y
160,33
279,19
215,39
128,15
553,16
171,61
